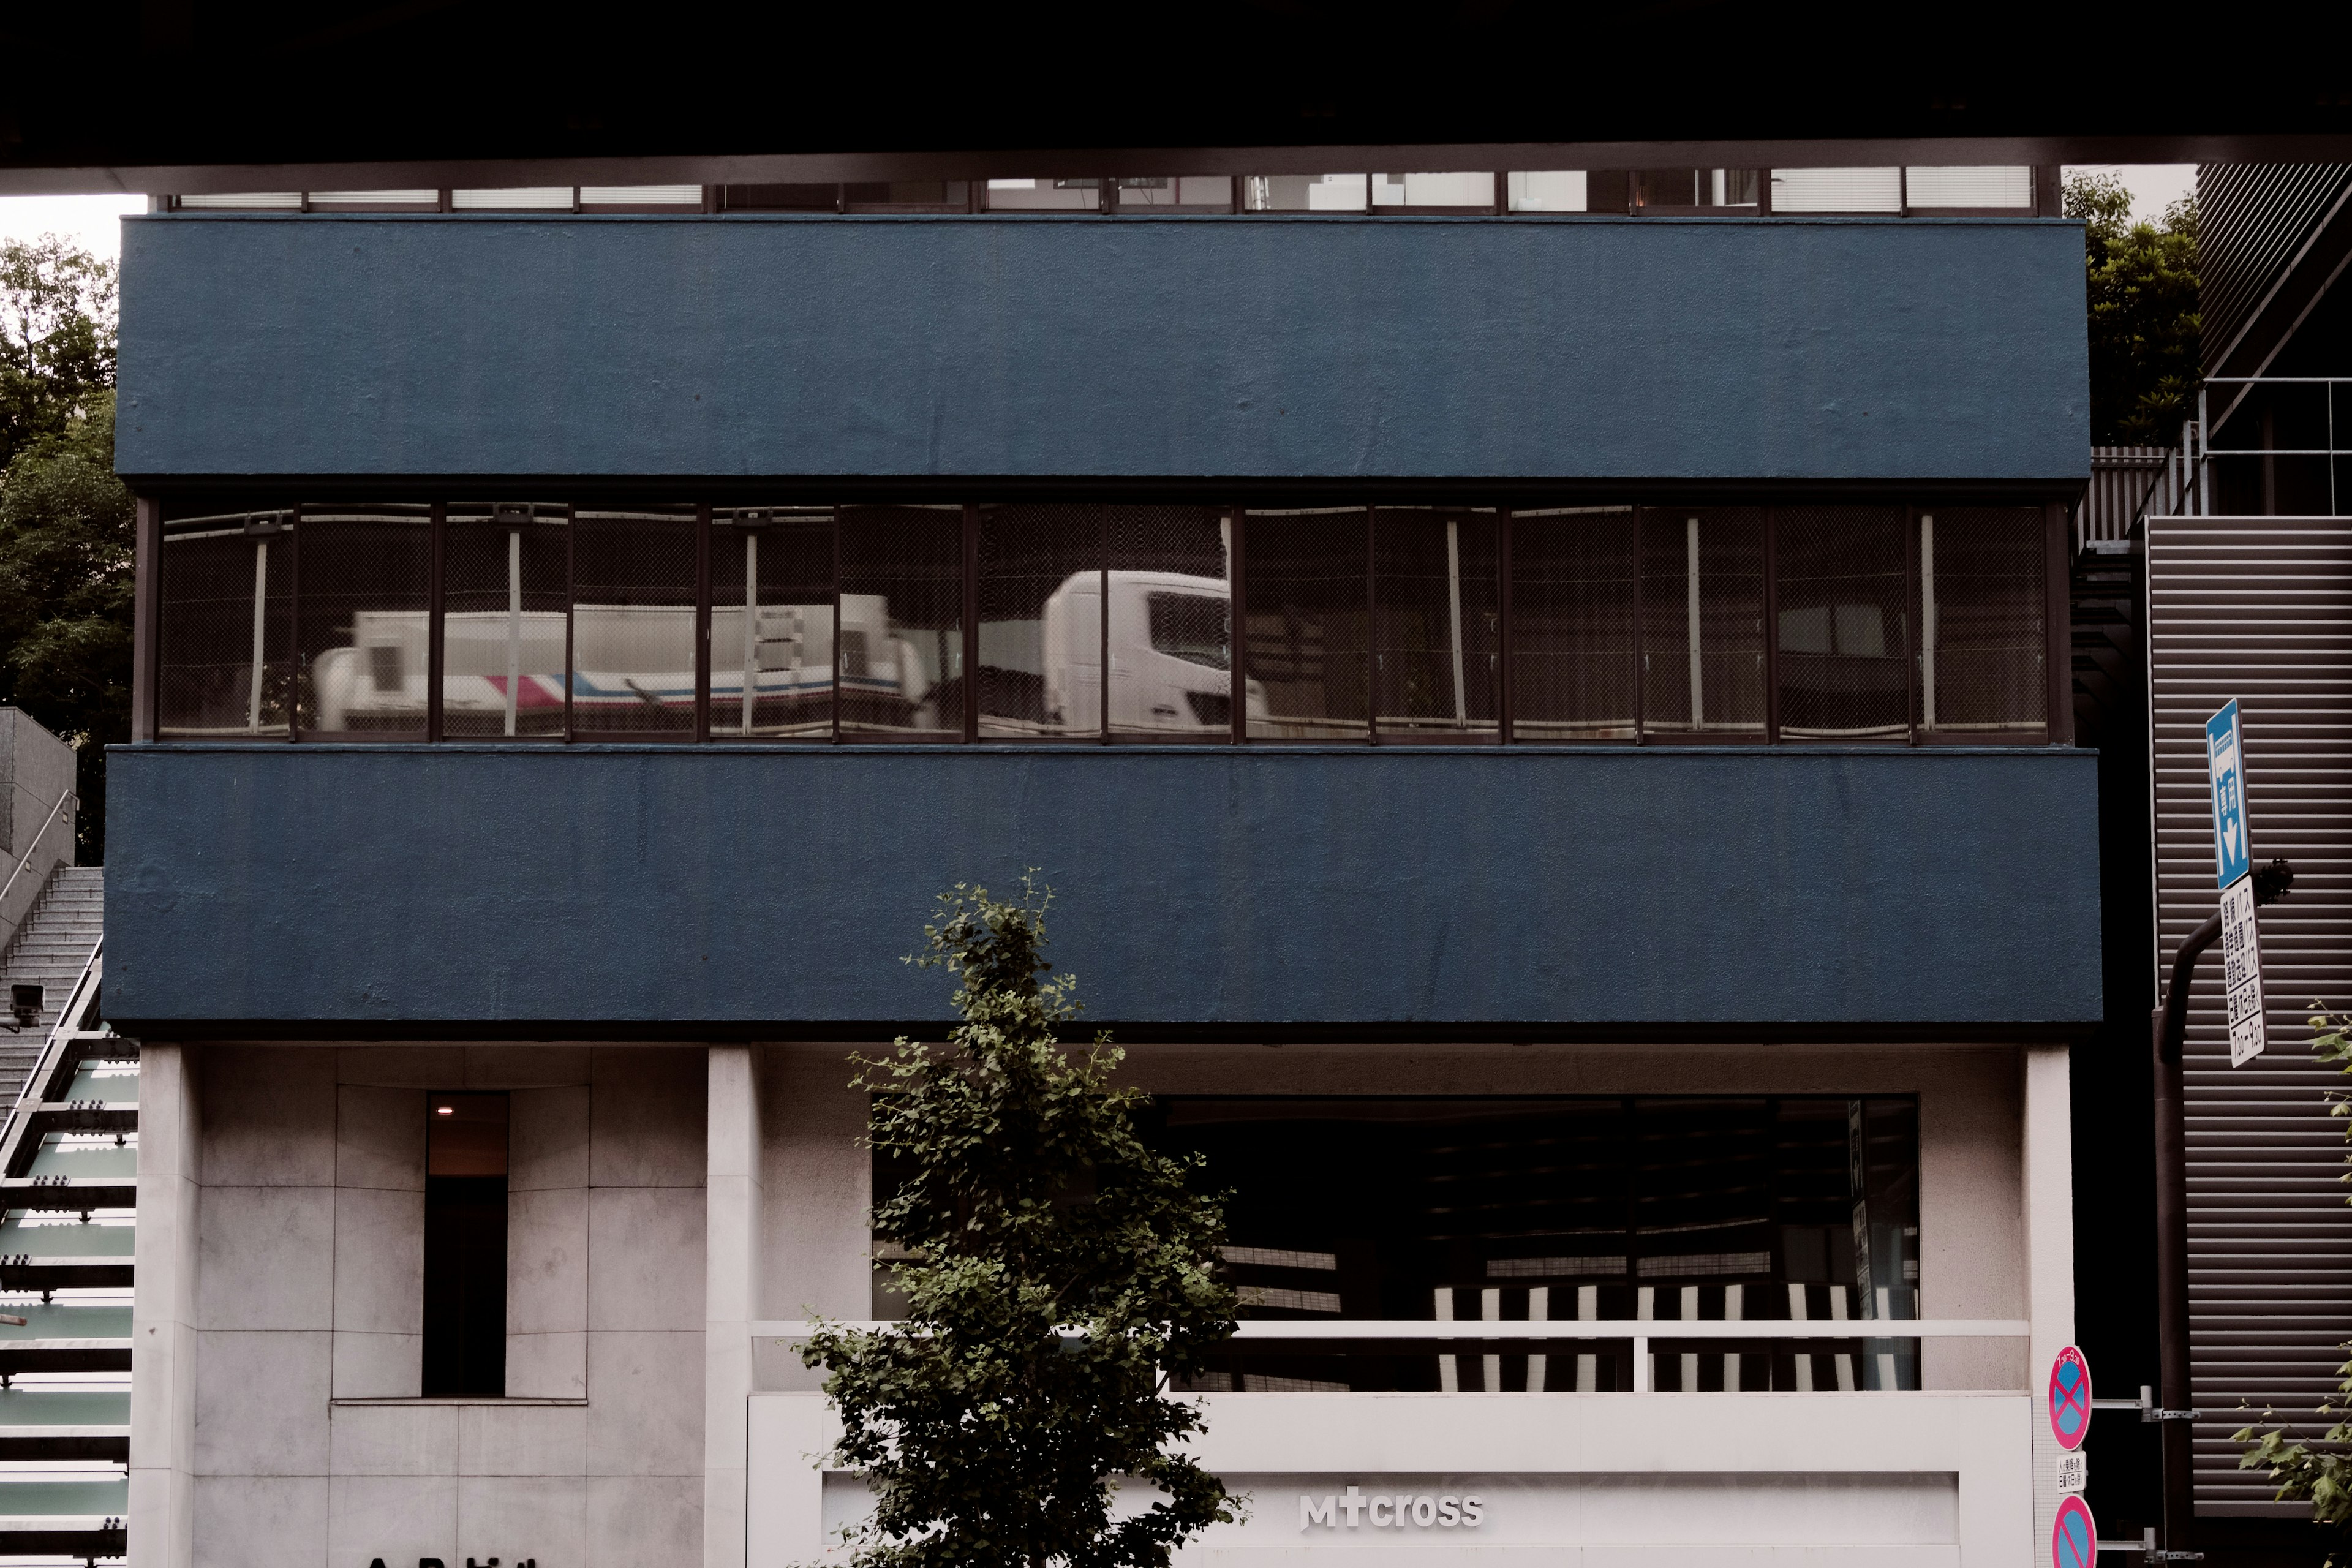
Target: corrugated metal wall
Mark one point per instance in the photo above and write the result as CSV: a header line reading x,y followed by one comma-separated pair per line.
x,y
2252,219
2260,609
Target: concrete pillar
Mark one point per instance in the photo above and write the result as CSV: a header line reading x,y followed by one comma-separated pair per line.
x,y
164,1312
731,1297
2049,1189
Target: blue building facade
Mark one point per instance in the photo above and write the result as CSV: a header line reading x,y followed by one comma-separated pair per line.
x,y
1482,665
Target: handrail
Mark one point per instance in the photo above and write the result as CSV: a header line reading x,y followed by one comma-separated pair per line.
x,y
42,831
1641,1332
1442,1328
37,1081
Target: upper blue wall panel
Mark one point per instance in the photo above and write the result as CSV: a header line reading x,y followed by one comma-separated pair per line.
x,y
351,887
1519,348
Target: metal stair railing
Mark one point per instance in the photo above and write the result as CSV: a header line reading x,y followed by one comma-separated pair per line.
x,y
62,1035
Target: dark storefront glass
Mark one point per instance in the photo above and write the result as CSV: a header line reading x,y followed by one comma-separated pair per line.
x,y
360,641
1593,1209
774,652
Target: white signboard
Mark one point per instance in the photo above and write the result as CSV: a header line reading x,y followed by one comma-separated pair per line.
x,y
2073,1473
2242,969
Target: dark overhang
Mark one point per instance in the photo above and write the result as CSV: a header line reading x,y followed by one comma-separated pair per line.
x,y
190,95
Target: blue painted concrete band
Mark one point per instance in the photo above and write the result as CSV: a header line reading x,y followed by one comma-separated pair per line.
x,y
1515,348
1217,886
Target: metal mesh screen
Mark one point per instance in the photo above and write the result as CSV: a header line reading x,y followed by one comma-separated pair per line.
x,y
1702,625
362,626
1170,622
1041,622
505,575
1308,603
776,654
1575,629
1438,623
1844,623
633,621
1983,634
225,661
902,586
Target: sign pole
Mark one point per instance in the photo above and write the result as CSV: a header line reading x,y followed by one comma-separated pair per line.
x,y
2242,888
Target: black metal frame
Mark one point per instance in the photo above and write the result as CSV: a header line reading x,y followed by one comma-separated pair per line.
x,y
149,635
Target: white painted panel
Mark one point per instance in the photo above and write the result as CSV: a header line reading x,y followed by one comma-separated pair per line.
x,y
1837,190
1968,185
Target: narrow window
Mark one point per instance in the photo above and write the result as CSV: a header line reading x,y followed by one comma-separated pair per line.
x,y
466,1246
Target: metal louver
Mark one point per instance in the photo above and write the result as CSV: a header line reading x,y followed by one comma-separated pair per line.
x,y
2260,609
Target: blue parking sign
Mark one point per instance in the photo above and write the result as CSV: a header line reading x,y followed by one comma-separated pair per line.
x,y
2225,760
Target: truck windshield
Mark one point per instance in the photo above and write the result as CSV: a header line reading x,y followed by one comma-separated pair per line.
x,y
1191,627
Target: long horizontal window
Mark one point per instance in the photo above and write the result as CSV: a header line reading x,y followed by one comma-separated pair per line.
x,y
1083,623
1678,192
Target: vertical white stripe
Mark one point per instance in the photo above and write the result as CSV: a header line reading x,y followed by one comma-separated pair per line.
x,y
514,623
1698,696
1449,1374
1927,620
260,624
1538,1312
1454,611
750,623
1490,1309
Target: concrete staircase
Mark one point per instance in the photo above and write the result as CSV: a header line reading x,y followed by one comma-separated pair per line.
x,y
68,1185
55,940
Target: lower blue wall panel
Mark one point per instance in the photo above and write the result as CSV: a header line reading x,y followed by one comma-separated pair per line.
x,y
415,888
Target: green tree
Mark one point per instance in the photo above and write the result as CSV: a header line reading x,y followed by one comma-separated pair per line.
x,y
1058,1272
2141,280
66,528
57,338
2318,1472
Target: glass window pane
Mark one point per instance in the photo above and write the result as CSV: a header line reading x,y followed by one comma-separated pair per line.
x,y
1459,190
1960,185
797,198
1045,195
1308,607
1844,631
902,600
641,195
1556,191
1185,193
1693,188
1702,621
1984,649
1440,620
905,196
771,636
632,622
1575,603
429,200
1306,193
1170,622
227,629
504,577
360,643
1837,190
518,198
1041,610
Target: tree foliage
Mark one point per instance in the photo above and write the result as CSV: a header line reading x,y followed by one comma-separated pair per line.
x,y
2318,1471
2142,285
1058,1270
66,522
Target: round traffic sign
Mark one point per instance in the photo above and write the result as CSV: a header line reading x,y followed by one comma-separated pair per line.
x,y
2074,1538
2070,1398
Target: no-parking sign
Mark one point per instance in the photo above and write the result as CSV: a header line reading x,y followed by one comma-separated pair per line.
x,y
2070,1398
2074,1538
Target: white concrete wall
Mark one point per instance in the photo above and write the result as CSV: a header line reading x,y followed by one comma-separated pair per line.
x,y
309,1443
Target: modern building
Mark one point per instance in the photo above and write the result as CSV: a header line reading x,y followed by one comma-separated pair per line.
x,y
2246,536
1544,697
